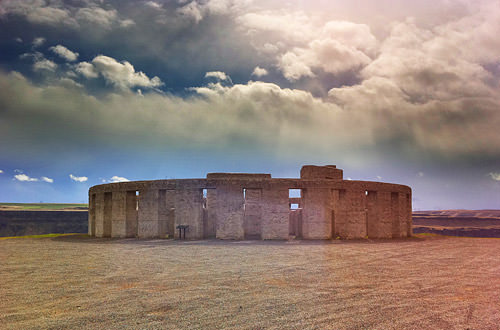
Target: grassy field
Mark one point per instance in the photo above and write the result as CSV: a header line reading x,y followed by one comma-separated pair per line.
x,y
42,207
77,282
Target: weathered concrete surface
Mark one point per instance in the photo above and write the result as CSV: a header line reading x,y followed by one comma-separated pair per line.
x,y
317,213
131,214
189,211
252,206
275,213
119,212
330,172
252,220
230,212
148,214
99,214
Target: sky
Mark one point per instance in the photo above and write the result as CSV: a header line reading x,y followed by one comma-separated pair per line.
x,y
396,91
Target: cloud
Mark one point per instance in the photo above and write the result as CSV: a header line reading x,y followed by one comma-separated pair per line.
x,y
495,176
40,63
127,23
120,74
218,75
1,171
64,53
87,70
304,45
118,179
375,114
153,4
259,72
420,174
44,64
24,178
78,178
39,12
341,46
97,16
197,10
37,42
57,13
46,179
191,10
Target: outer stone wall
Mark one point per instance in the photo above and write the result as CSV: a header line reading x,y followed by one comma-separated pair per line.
x,y
252,206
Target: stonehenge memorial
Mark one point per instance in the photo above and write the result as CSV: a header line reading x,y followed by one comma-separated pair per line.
x,y
319,205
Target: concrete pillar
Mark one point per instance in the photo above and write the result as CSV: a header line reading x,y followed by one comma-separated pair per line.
x,y
119,214
148,224
403,231
372,217
275,213
409,215
317,213
339,212
131,214
351,215
108,213
91,230
189,211
211,221
166,209
252,218
356,213
395,210
384,215
99,214
229,212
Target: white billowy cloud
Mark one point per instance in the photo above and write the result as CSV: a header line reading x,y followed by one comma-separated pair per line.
x,y
87,70
198,9
259,72
57,13
119,74
24,178
40,63
339,47
153,4
116,178
65,53
97,16
360,116
37,42
495,176
78,178
218,75
39,12
44,64
46,179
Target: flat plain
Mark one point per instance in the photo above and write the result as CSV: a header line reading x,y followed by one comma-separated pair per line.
x,y
77,282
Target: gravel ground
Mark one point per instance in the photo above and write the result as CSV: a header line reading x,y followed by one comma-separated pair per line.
x,y
76,282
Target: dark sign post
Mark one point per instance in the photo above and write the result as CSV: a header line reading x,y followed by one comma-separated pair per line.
x,y
182,231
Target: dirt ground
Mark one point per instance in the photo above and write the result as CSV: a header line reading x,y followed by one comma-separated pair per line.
x,y
76,282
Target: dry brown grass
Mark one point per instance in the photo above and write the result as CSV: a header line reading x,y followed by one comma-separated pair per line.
x,y
82,283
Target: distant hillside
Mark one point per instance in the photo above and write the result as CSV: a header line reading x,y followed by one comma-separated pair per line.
x,y
459,213
42,207
471,223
